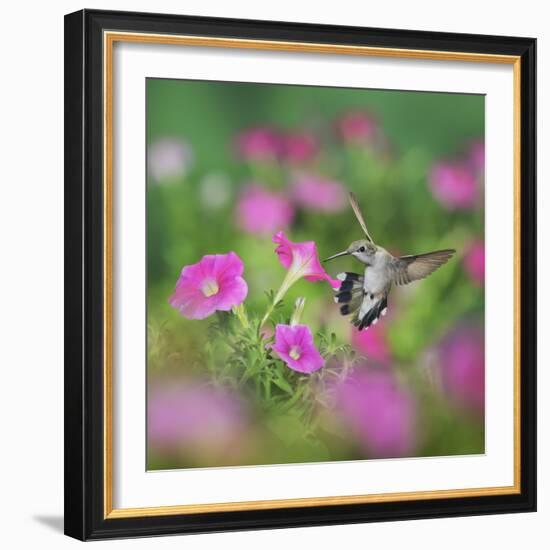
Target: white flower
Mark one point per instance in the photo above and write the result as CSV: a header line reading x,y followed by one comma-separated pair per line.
x,y
169,158
215,190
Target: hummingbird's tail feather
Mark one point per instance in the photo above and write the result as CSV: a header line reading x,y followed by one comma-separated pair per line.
x,y
365,308
371,310
350,293
351,283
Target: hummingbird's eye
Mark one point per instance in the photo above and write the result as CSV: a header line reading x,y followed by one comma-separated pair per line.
x,y
362,249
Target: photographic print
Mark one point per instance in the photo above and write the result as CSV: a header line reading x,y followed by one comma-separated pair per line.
x,y
315,274
300,274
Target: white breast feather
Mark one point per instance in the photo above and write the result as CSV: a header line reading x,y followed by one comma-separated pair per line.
x,y
375,280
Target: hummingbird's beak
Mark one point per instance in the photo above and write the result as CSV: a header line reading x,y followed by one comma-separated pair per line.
x,y
345,253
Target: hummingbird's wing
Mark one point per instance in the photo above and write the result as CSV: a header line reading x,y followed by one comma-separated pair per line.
x,y
407,269
359,215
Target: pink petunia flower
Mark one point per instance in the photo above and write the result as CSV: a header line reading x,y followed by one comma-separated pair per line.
x,y
474,262
169,158
301,260
294,345
454,185
372,343
462,367
213,284
381,413
299,147
319,194
193,418
357,127
260,210
259,144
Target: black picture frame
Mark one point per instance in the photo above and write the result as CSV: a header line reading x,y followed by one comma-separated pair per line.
x,y
84,283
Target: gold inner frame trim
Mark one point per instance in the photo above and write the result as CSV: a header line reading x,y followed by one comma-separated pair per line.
x,y
109,39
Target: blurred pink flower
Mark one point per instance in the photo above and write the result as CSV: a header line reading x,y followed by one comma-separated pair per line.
x,y
267,333
302,260
476,156
319,194
462,367
168,158
299,147
213,284
372,343
259,144
454,185
474,262
380,413
357,127
294,345
193,417
260,210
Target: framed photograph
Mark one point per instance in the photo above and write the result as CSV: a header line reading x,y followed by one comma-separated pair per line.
x,y
300,274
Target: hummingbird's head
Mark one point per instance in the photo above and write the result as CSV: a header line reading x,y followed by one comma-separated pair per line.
x,y
363,250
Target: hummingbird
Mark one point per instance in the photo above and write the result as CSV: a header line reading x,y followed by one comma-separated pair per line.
x,y
365,296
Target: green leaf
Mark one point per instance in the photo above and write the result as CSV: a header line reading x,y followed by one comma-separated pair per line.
x,y
280,382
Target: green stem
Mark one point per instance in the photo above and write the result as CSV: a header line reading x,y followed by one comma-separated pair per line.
x,y
298,310
240,312
286,284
